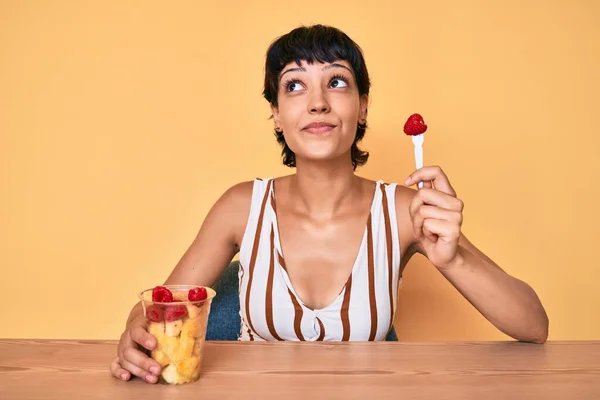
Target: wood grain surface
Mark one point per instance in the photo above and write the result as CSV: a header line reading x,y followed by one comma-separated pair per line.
x,y
64,369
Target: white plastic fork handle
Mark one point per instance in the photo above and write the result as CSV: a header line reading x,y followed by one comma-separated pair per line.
x,y
418,143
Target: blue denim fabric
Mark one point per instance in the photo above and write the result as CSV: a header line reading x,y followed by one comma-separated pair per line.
x,y
224,318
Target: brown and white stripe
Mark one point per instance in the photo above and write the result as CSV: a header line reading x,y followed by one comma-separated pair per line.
x,y
270,308
389,250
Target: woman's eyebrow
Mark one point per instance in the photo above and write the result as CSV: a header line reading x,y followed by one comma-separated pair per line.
x,y
298,69
302,69
336,65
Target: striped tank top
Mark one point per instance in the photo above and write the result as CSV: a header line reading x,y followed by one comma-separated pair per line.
x,y
270,308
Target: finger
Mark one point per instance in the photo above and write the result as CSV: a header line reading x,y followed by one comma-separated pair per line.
x,y
139,372
141,360
445,230
118,371
432,212
435,198
430,236
433,174
141,336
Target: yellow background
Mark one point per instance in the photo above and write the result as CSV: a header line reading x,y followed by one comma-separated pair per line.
x,y
122,122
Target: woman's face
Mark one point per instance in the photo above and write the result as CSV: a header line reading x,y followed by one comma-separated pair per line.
x,y
319,109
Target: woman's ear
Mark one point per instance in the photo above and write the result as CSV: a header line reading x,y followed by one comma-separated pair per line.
x,y
364,105
275,113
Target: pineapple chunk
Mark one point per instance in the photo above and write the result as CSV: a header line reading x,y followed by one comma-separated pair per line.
x,y
188,367
170,375
201,328
181,296
170,345
186,346
189,327
173,328
196,326
157,329
160,357
193,310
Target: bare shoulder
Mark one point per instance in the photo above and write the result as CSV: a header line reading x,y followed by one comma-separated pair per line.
x,y
233,208
404,195
217,241
238,195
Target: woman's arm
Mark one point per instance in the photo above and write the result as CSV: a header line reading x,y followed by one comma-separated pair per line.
x,y
217,241
434,219
215,245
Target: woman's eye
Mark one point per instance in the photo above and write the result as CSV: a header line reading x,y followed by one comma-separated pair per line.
x,y
293,86
338,83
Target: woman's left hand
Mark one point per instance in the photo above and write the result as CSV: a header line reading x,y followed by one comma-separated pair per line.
x,y
436,215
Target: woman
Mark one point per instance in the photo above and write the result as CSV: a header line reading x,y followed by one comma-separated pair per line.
x,y
322,251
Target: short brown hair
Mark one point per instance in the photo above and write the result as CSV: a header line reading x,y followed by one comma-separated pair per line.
x,y
315,43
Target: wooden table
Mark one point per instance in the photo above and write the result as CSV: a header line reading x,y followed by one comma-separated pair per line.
x,y
46,369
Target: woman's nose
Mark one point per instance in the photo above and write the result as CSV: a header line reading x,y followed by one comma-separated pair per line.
x,y
318,103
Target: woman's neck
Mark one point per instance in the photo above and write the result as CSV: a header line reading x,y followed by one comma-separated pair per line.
x,y
324,190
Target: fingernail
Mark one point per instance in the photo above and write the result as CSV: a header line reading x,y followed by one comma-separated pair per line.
x,y
124,376
407,181
154,370
151,378
148,344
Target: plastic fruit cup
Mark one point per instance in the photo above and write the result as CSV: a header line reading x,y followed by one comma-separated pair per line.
x,y
180,330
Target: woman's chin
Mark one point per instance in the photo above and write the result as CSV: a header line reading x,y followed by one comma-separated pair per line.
x,y
321,157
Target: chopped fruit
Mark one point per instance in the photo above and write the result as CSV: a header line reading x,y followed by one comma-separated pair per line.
x,y
160,357
175,312
189,327
170,346
157,329
197,294
179,329
180,295
200,336
415,125
186,346
173,328
154,313
188,366
197,326
161,294
193,310
169,374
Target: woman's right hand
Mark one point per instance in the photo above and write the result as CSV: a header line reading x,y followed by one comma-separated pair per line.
x,y
130,357
213,248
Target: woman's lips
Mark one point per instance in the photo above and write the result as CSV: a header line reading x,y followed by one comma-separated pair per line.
x,y
318,127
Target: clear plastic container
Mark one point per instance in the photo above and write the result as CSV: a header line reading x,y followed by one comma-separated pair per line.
x,y
180,330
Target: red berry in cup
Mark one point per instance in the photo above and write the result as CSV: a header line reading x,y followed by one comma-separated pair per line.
x,y
175,312
154,313
197,294
161,294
